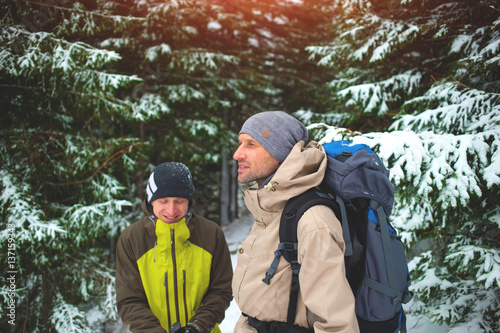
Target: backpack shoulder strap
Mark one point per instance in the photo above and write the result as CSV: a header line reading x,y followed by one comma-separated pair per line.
x,y
293,211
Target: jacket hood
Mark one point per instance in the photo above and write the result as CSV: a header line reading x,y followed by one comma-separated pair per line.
x,y
303,169
145,208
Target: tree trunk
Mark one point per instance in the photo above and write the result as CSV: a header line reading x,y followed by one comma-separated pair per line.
x,y
225,185
233,208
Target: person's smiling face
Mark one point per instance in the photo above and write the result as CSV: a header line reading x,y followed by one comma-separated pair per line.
x,y
171,209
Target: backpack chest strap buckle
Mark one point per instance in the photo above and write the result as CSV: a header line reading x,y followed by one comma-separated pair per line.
x,y
291,247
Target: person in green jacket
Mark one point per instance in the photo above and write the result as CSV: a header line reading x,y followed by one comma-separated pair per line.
x,y
173,267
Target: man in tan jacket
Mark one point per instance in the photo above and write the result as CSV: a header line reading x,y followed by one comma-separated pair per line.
x,y
272,153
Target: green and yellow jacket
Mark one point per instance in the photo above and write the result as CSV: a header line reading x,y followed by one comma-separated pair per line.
x,y
168,273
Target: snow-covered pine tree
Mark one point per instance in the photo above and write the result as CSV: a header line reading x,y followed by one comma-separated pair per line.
x,y
83,84
273,70
200,60
186,88
425,76
64,170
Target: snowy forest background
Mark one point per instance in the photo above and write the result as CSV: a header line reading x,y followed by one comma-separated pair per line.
x,y
95,93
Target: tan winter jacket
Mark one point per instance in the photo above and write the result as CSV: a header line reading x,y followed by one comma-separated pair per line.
x,y
325,299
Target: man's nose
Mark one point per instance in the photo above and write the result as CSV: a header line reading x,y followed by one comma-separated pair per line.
x,y
170,208
238,154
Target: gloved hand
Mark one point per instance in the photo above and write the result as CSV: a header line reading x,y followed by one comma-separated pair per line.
x,y
183,329
190,329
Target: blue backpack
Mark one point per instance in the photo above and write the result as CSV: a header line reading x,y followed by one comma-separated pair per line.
x,y
357,188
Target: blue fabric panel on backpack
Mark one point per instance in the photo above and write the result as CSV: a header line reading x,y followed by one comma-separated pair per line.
x,y
335,148
372,216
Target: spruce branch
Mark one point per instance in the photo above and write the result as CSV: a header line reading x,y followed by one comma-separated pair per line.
x,y
74,10
86,267
116,156
458,82
453,79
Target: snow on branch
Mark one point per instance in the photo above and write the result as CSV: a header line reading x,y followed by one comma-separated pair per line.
x,y
437,171
459,109
153,105
481,45
191,60
486,262
382,37
327,54
196,126
183,93
54,52
166,7
150,106
451,290
444,164
22,210
374,97
308,117
156,51
68,318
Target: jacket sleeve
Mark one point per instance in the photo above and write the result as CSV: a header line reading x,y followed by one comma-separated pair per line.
x,y
321,254
219,294
131,299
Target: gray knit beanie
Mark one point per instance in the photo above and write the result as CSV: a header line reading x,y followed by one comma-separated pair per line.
x,y
276,131
170,179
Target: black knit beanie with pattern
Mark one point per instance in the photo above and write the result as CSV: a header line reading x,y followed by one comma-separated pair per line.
x,y
169,179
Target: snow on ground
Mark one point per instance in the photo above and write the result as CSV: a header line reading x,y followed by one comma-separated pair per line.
x,y
235,233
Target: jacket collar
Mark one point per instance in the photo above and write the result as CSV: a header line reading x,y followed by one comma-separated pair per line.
x,y
303,169
150,220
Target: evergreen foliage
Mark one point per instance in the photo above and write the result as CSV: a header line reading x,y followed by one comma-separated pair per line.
x,y
428,73
94,93
62,175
